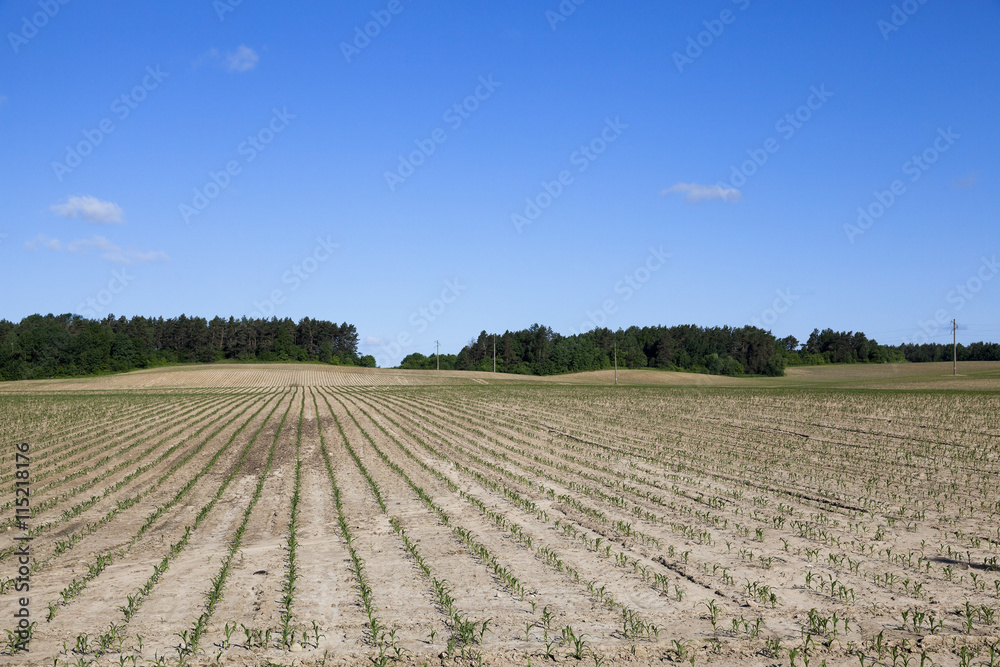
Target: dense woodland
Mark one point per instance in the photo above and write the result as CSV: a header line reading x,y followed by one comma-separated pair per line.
x,y
937,352
839,347
419,362
538,350
70,345
67,345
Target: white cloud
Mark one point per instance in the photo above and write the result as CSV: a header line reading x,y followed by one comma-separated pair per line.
x,y
109,250
89,208
42,242
374,340
694,192
243,59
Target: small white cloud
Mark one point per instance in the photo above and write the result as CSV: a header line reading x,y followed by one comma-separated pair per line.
x,y
243,59
109,251
98,242
695,192
42,242
89,208
374,340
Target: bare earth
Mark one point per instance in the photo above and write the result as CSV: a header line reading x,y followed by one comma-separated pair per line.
x,y
308,514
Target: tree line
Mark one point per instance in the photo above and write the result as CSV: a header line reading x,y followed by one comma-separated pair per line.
x,y
70,345
980,351
839,347
538,350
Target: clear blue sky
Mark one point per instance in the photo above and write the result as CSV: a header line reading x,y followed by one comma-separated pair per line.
x,y
665,99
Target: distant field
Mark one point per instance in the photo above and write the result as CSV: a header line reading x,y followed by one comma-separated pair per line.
x,y
310,514
251,375
984,376
975,375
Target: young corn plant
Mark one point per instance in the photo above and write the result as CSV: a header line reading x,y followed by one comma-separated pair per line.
x,y
291,571
376,631
218,581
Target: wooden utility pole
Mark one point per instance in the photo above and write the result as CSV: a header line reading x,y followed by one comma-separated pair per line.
x,y
437,353
954,347
616,359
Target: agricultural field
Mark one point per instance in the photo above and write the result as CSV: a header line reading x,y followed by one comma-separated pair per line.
x,y
313,515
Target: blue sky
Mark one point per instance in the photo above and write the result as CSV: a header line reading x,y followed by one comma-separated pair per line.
x,y
471,165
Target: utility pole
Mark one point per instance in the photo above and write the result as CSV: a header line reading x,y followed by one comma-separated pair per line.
x,y
954,347
616,359
494,353
437,353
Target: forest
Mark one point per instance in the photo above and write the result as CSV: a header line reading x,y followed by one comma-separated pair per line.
x,y
70,345
837,347
938,352
539,350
